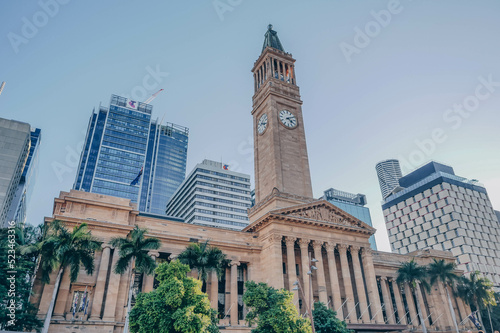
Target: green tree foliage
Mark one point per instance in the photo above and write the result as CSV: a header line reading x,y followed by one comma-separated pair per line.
x,y
478,292
415,275
443,272
495,315
24,264
177,305
65,249
326,321
273,310
205,259
134,250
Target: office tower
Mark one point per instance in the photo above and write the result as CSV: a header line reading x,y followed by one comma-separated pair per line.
x,y
353,204
19,205
14,150
440,210
129,155
214,196
388,173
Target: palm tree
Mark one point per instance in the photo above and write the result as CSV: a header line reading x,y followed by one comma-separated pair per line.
x,y
440,270
205,259
67,250
478,291
134,251
415,275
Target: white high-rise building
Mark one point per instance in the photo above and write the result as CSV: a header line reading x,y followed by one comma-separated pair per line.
x,y
214,196
388,172
437,209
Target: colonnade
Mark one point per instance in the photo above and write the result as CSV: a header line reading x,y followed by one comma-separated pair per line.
x,y
276,68
345,280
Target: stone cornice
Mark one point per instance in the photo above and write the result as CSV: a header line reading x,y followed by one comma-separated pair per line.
x,y
287,214
69,198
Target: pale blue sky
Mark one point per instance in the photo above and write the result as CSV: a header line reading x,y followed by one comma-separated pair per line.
x,y
394,91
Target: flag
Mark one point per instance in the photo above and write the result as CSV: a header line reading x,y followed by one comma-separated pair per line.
x,y
84,301
225,167
136,180
75,303
473,318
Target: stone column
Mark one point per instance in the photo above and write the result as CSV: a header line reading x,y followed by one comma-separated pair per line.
x,y
334,280
447,319
304,254
113,284
62,295
399,303
461,310
100,284
323,297
360,284
371,284
272,261
389,310
292,276
149,280
411,306
423,308
346,276
214,291
234,293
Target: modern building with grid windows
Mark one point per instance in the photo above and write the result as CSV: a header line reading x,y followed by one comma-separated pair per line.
x,y
128,155
214,196
437,209
353,204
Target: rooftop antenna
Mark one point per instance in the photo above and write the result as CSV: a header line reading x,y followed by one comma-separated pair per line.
x,y
150,99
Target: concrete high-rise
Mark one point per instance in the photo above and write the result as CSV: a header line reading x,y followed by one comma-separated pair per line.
x,y
388,173
129,155
213,196
19,205
438,210
353,204
14,151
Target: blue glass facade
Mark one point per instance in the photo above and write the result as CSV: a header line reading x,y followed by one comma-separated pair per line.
x,y
352,204
123,140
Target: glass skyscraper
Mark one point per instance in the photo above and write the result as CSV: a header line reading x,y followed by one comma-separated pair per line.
x,y
128,155
353,204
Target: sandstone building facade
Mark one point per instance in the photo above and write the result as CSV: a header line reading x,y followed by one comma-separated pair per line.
x,y
288,228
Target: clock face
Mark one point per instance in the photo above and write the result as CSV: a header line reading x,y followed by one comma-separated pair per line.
x,y
288,119
261,126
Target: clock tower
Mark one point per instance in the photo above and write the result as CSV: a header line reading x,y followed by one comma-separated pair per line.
x,y
281,161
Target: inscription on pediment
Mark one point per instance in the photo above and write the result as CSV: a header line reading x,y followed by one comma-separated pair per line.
x,y
322,214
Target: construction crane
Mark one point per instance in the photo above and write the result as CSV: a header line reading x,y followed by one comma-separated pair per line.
x,y
150,99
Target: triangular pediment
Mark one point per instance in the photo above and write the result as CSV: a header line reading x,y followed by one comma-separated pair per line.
x,y
322,211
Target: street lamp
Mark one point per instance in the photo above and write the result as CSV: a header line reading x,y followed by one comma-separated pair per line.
x,y
299,287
